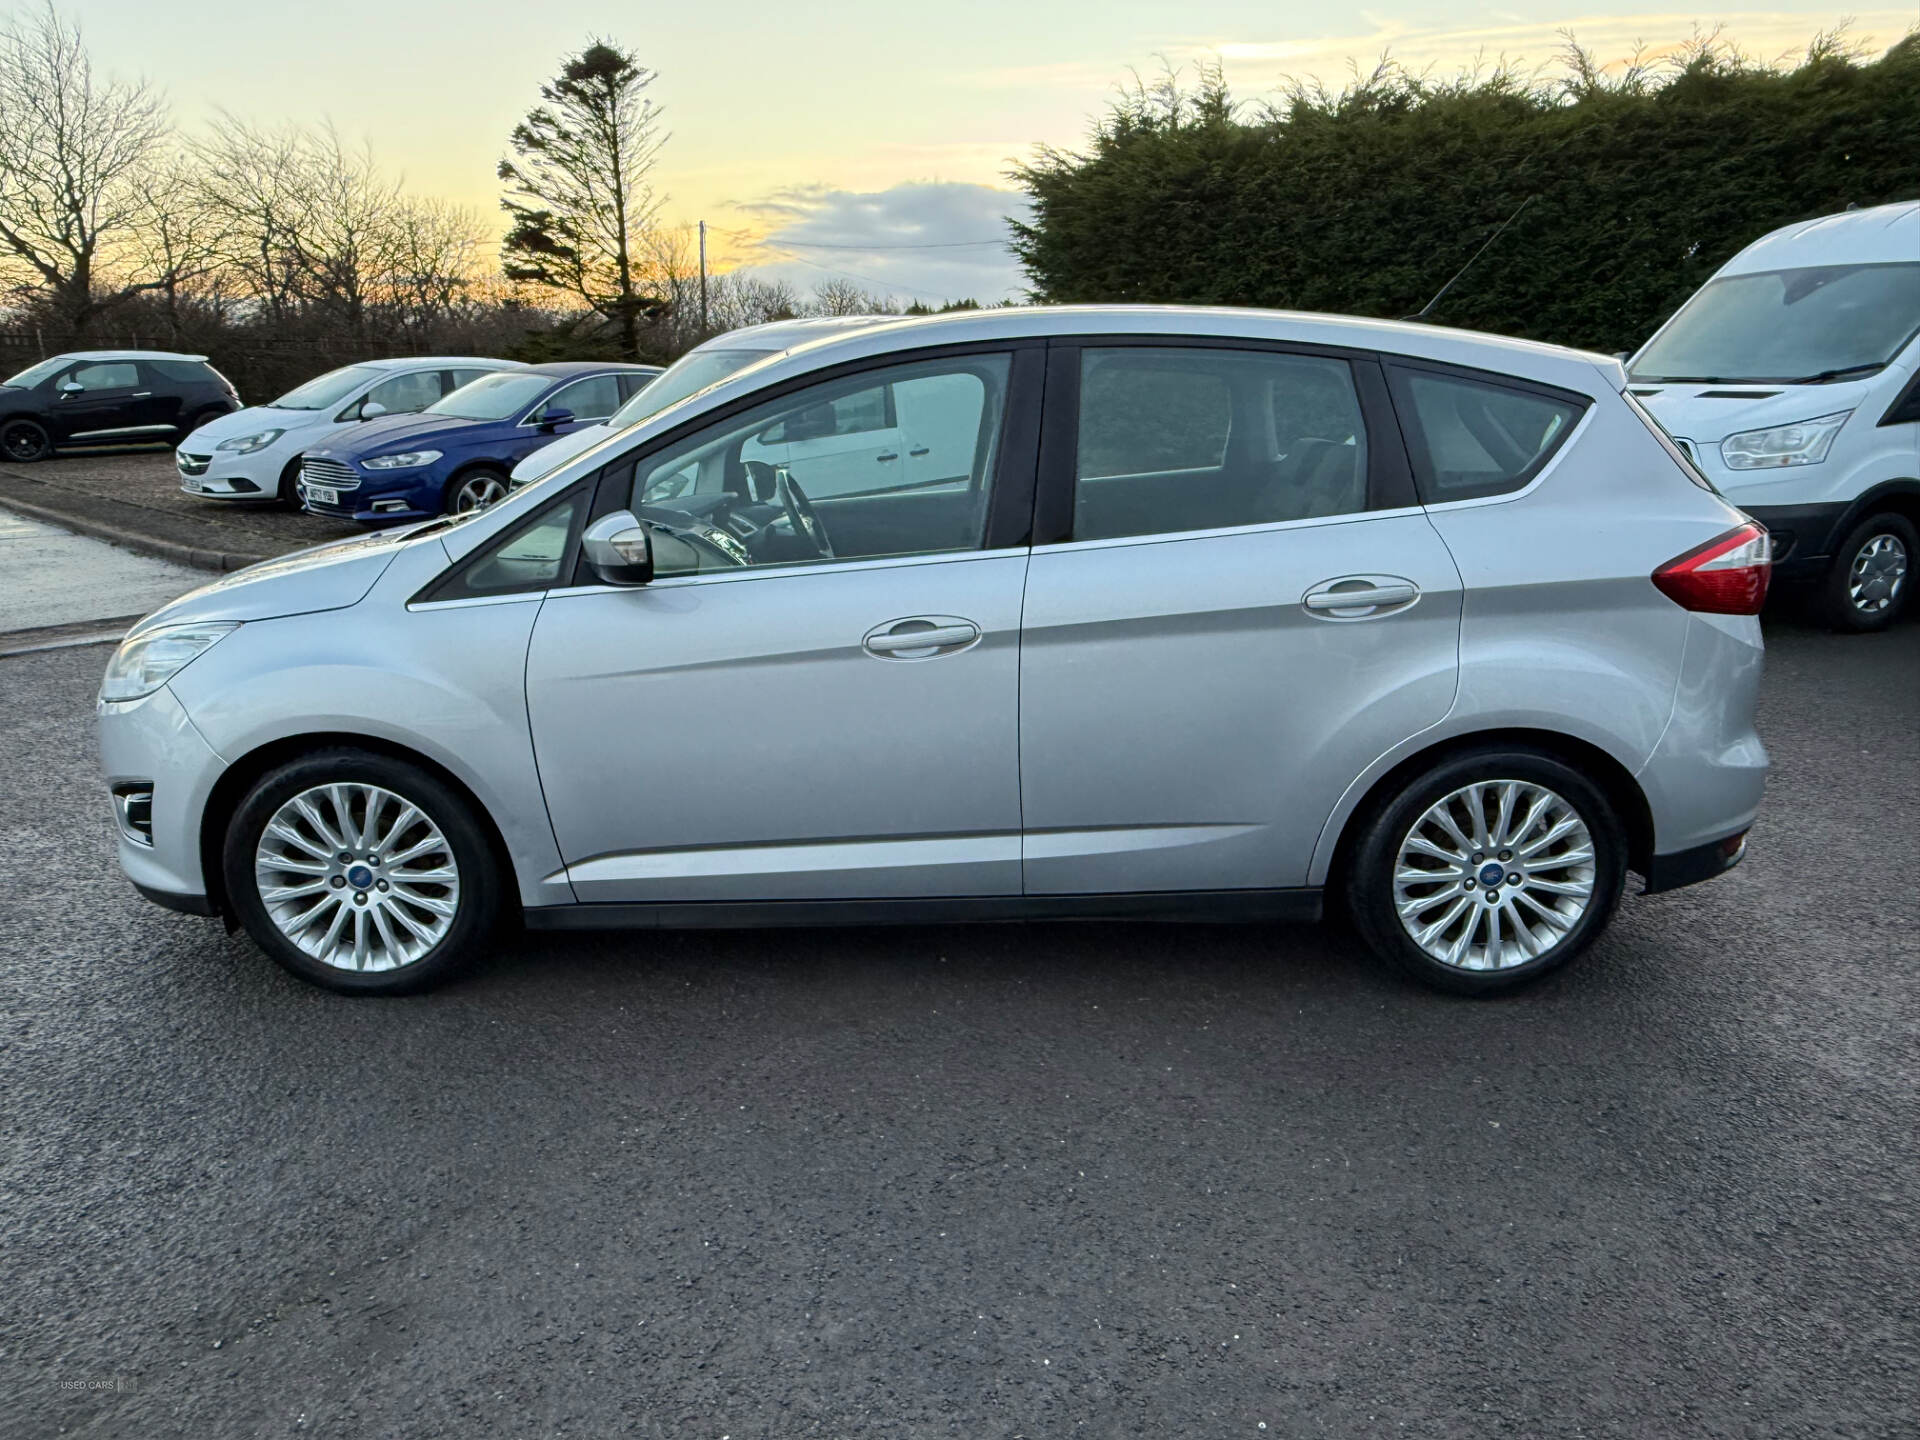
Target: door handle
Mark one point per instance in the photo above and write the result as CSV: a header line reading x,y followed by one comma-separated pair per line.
x,y
921,637
1360,597
890,455
918,450
141,394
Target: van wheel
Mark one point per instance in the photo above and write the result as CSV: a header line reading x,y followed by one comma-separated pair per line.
x,y
1869,580
23,441
1492,869
361,873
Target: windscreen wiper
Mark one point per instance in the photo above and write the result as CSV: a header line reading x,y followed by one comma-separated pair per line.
x,y
1840,374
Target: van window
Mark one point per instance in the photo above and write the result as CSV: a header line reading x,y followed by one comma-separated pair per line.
x,y
1820,323
1472,437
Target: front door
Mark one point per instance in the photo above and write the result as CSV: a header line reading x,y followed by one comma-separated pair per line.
x,y
803,704
1195,695
100,401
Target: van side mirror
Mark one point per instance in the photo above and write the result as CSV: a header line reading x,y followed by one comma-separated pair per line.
x,y
372,410
619,550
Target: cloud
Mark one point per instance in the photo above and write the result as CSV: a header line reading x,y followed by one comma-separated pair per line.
x,y
922,240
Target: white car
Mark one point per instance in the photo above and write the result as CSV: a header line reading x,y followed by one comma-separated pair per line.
x,y
254,454
704,365
1792,378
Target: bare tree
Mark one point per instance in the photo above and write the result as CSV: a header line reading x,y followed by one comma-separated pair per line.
x,y
73,150
251,178
436,265
178,238
578,193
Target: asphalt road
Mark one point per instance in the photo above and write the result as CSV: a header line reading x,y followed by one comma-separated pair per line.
x,y
1047,1181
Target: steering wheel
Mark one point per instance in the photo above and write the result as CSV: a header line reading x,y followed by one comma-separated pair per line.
x,y
800,513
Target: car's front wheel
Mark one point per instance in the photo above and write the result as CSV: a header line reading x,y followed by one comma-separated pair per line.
x,y
1488,871
361,872
25,441
1869,581
475,489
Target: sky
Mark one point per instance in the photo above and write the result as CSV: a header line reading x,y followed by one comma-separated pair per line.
x,y
858,139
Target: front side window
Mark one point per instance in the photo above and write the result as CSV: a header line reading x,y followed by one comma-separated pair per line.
x,y
741,493
405,394
108,375
328,389
1471,438
593,399
1820,323
1190,438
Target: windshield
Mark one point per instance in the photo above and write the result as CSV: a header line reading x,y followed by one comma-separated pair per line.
x,y
329,389
686,376
492,397
34,374
1822,323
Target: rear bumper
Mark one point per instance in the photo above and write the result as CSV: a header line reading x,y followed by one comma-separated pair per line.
x,y
1803,536
1690,867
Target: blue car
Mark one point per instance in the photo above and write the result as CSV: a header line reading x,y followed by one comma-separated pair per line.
x,y
456,454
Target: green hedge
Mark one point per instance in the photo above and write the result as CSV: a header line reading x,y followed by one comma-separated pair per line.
x,y
1365,202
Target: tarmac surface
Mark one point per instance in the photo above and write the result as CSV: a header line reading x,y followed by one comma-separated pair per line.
x,y
1003,1181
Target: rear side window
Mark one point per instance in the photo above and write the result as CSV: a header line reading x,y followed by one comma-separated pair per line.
x,y
181,372
1472,437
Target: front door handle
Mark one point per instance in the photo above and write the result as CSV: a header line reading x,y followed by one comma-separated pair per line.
x,y
920,637
1360,597
141,394
918,450
889,455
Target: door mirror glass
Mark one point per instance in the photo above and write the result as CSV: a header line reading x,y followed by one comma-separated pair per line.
x,y
372,410
618,549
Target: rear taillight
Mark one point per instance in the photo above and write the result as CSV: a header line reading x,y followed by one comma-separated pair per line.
x,y
1725,576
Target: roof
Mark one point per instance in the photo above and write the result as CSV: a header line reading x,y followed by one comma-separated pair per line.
x,y
124,355
590,367
783,334
1853,237
397,362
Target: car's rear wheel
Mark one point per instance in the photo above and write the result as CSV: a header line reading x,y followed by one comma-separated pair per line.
x,y
475,489
361,873
1487,872
1871,578
24,441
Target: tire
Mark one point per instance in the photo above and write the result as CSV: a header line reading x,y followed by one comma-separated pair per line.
x,y
284,493
24,441
1870,581
467,486
402,944
1528,950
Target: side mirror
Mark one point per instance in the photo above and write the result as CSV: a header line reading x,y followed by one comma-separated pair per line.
x,y
372,410
69,388
619,550
550,418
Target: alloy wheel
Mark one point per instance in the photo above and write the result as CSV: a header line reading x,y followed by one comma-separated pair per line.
x,y
1494,875
477,492
1878,574
23,441
357,877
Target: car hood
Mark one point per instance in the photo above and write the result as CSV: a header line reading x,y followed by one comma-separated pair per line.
x,y
327,577
251,421
1707,414
399,432
547,457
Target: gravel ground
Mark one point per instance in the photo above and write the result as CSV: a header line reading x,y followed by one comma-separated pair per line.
x,y
1020,1181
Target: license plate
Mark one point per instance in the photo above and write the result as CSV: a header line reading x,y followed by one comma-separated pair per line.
x,y
322,495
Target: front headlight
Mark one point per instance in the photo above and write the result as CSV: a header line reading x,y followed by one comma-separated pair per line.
x,y
247,444
406,460
1806,443
146,662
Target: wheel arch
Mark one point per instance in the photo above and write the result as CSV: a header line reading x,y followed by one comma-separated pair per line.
x,y
241,776
1615,780
1902,497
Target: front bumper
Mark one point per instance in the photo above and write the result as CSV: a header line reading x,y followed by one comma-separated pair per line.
x,y
152,743
207,474
377,502
1803,536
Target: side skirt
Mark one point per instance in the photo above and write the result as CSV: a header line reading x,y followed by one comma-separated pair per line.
x,y
1186,906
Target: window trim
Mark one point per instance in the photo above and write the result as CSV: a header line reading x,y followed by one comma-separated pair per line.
x,y
1389,473
1009,500
1399,367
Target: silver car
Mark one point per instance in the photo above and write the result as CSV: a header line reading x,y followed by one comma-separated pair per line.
x,y
1139,612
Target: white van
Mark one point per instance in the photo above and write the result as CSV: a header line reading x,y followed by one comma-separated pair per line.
x,y
1793,379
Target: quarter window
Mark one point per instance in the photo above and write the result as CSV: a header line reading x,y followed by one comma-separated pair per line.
x,y
526,558
1471,438
1176,438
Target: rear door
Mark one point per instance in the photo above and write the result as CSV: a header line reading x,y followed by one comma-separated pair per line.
x,y
1194,694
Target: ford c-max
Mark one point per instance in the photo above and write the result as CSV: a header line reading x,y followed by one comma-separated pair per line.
x,y
1137,612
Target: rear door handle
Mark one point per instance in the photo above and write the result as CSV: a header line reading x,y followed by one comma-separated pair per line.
x,y
1360,597
920,637
889,455
141,394
918,450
